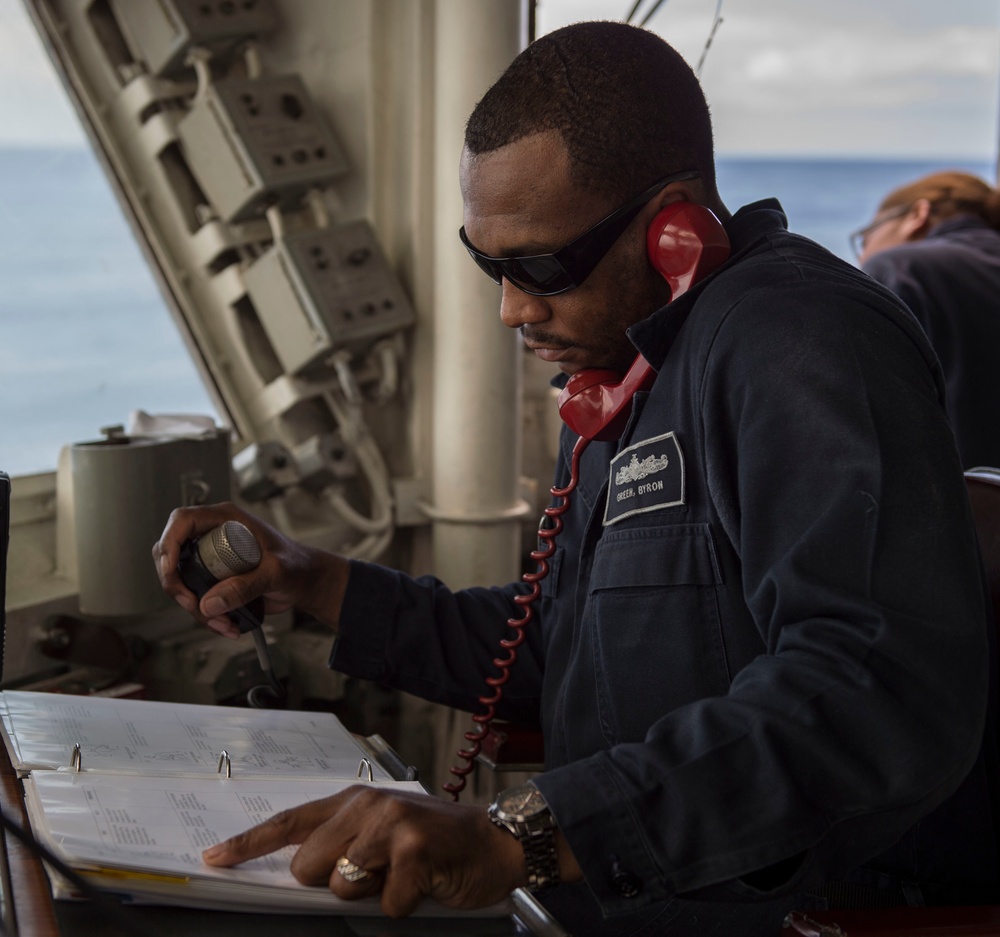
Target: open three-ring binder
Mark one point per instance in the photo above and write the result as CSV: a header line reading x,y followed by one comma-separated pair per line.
x,y
129,792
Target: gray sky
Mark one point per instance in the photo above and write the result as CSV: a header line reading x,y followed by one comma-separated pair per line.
x,y
893,77
818,77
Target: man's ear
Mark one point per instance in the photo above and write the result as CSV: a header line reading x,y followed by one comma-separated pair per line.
x,y
917,221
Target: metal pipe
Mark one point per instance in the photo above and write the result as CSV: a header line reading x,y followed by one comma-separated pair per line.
x,y
476,448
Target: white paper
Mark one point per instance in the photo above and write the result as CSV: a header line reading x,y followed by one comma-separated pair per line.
x,y
170,425
142,737
154,825
149,798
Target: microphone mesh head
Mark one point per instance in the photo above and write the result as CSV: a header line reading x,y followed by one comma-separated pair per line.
x,y
235,547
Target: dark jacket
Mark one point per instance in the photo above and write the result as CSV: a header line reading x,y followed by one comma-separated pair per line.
x,y
761,663
951,282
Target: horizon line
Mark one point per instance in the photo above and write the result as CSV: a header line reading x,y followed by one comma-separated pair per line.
x,y
895,156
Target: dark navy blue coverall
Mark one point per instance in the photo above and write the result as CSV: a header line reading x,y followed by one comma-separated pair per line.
x,y
762,655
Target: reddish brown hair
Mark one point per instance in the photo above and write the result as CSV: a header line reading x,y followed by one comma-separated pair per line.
x,y
950,193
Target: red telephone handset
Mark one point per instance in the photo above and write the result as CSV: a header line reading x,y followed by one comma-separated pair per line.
x,y
684,242
596,403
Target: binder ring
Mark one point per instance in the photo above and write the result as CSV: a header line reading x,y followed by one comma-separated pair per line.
x,y
365,763
224,759
76,761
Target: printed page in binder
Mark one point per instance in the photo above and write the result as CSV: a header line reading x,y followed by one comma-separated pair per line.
x,y
143,836
130,792
131,736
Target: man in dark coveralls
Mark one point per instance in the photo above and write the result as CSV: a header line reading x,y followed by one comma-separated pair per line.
x,y
763,680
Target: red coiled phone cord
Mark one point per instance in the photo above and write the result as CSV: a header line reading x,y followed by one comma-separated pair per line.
x,y
547,535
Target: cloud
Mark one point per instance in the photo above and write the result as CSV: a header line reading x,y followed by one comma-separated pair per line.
x,y
791,76
796,61
837,80
802,76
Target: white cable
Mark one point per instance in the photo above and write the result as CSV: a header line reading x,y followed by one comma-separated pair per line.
x,y
199,59
251,58
316,200
387,353
370,548
341,362
372,525
276,222
357,438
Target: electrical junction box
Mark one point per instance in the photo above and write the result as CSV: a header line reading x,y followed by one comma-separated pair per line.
x,y
253,142
160,34
338,280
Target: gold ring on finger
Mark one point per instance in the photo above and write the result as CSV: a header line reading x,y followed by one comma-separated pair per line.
x,y
350,871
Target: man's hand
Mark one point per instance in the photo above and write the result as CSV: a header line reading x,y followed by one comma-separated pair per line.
x,y
289,574
411,845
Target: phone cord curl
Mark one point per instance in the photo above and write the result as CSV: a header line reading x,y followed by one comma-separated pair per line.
x,y
550,528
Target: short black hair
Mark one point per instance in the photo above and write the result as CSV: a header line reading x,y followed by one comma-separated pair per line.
x,y
627,105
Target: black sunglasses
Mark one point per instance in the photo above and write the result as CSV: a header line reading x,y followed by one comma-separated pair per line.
x,y
567,268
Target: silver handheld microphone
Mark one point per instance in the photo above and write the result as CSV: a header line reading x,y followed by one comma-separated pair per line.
x,y
230,550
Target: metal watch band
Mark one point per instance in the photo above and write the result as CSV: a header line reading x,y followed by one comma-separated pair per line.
x,y
534,827
540,856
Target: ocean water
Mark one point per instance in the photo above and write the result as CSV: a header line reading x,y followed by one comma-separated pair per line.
x,y
827,199
85,336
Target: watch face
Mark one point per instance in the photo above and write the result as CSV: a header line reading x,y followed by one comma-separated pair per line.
x,y
525,800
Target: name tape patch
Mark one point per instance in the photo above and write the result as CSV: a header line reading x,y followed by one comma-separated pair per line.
x,y
647,476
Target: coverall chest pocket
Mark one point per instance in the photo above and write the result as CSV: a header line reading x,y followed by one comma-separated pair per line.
x,y
653,616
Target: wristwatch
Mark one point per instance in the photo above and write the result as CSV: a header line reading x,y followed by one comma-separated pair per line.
x,y
523,812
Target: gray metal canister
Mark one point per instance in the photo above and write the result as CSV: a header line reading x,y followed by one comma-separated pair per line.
x,y
124,488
